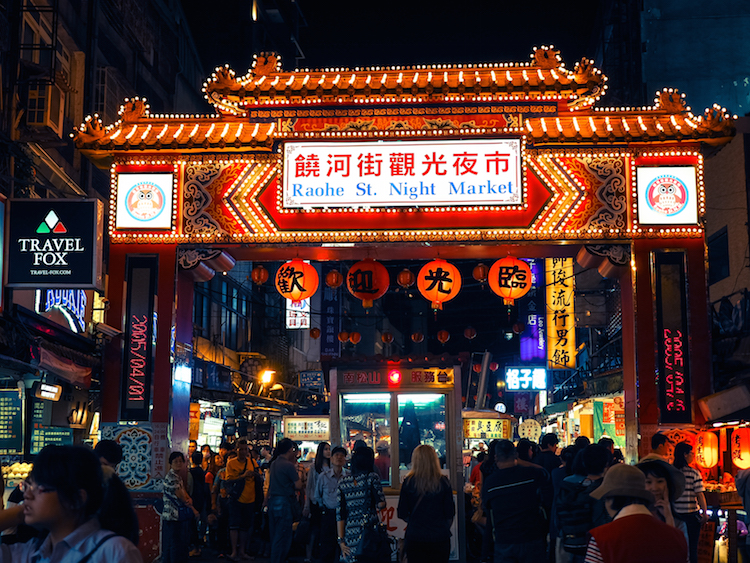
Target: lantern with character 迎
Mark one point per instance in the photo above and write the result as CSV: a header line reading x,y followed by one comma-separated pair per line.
x,y
367,280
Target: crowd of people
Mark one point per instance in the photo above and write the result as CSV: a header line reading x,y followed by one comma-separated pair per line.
x,y
586,505
242,502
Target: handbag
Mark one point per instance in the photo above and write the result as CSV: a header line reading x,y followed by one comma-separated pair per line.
x,y
184,512
235,487
375,544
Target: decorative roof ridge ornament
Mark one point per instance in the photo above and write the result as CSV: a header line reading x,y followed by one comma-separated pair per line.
x,y
266,63
671,101
133,109
547,58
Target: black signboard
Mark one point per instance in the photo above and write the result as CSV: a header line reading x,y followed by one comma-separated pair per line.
x,y
141,274
46,435
11,422
672,342
329,319
55,243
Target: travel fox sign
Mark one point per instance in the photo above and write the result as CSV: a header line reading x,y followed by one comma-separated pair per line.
x,y
403,173
55,244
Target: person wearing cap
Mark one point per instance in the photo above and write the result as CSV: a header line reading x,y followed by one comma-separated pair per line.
x,y
634,534
383,460
324,496
511,497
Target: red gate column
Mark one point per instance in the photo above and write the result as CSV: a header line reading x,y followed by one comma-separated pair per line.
x,y
629,370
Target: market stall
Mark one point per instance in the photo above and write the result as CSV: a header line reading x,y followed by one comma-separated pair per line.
x,y
307,431
395,408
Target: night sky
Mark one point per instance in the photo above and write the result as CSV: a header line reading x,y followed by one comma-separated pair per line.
x,y
404,32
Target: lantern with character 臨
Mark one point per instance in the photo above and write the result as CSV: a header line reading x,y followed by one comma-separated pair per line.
x,y
707,450
741,447
439,281
367,280
297,280
510,278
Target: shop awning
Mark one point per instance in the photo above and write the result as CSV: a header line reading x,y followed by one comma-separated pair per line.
x,y
557,408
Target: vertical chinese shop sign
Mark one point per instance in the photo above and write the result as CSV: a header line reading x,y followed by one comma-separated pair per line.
x,y
533,342
561,331
672,338
138,360
329,319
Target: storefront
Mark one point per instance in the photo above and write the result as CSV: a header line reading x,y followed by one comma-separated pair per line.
x,y
471,161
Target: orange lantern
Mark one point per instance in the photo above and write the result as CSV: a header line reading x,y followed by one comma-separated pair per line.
x,y
405,278
470,333
443,336
297,280
259,275
439,281
343,336
518,328
480,272
510,278
334,279
707,450
355,337
315,333
367,280
741,448
386,337
417,337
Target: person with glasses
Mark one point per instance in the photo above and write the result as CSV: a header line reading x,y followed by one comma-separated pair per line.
x,y
63,496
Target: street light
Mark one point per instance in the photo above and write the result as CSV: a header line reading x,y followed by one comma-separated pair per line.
x,y
266,376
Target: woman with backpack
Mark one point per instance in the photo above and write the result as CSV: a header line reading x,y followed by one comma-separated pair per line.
x,y
63,495
426,505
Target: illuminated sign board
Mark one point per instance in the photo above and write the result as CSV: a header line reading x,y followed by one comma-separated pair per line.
x,y
55,243
138,361
487,429
409,377
297,315
672,346
144,201
403,173
70,302
307,428
44,435
667,195
533,344
561,330
11,422
525,378
46,391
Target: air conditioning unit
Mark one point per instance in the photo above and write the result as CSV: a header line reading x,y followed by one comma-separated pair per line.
x,y
46,107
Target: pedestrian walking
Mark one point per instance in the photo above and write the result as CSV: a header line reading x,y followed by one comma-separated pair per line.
x,y
243,470
634,533
312,509
426,505
176,515
511,497
689,505
360,496
220,504
284,481
199,495
64,495
326,489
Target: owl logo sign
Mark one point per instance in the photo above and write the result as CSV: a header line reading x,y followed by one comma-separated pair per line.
x,y
667,195
144,201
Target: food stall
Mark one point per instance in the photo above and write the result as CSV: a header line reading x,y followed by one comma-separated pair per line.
x,y
389,404
307,431
480,427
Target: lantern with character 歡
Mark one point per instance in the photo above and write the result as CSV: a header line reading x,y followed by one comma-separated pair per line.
x,y
367,280
510,278
439,281
297,280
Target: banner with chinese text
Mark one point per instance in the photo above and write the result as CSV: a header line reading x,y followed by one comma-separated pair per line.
x,y
561,333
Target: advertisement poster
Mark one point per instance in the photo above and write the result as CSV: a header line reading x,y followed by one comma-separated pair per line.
x,y
609,420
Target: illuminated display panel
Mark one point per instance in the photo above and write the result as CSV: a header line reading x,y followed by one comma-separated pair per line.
x,y
144,201
673,357
667,195
403,173
561,330
525,378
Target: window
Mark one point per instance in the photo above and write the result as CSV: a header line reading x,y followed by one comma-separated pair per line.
x,y
366,416
220,313
718,256
421,420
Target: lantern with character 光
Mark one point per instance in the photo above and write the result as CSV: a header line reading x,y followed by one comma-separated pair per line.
x,y
439,281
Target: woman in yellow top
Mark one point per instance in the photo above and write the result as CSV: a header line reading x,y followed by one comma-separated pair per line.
x,y
241,508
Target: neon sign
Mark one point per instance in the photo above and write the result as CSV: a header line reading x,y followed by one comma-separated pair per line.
x,y
70,302
674,366
525,379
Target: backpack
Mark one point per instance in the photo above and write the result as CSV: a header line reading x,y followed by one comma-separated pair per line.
x,y
575,514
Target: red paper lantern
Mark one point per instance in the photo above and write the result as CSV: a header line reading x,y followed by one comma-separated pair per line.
x,y
386,337
494,366
367,280
343,336
355,337
707,450
405,278
443,336
741,448
518,328
439,281
417,337
297,280
510,278
334,279
470,333
259,275
477,367
315,333
480,273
